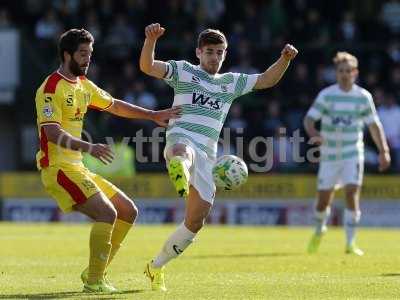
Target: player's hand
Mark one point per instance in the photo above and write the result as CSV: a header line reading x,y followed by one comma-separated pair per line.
x,y
154,31
316,140
384,161
289,52
102,152
161,117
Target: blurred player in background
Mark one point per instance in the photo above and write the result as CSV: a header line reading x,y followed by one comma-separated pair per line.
x,y
61,103
205,97
343,109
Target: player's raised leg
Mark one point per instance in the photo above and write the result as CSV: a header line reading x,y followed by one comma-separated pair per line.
x,y
101,210
352,215
180,159
197,211
322,213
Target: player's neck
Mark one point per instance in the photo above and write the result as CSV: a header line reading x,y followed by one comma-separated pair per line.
x,y
64,71
346,87
203,69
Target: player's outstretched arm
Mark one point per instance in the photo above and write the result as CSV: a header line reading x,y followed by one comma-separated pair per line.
x,y
378,135
275,72
148,64
127,110
61,138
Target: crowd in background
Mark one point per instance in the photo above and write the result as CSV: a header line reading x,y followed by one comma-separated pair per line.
x,y
256,32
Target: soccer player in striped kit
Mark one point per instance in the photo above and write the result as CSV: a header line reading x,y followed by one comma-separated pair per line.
x,y
205,97
343,109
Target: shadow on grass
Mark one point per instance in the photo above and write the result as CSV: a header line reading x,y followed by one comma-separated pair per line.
x,y
391,274
74,295
241,255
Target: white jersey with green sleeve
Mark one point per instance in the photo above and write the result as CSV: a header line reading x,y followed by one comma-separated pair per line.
x,y
205,100
343,115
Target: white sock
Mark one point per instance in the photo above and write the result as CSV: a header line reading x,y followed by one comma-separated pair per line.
x,y
351,220
175,245
321,219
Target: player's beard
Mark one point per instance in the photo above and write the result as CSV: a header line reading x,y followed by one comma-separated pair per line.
x,y
76,69
211,69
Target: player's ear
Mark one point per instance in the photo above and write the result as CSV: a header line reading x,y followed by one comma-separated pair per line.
x,y
224,55
67,56
198,52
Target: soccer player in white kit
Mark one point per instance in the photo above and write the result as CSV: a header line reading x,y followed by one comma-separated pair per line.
x,y
205,97
343,109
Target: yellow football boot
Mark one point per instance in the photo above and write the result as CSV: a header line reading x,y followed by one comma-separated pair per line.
x,y
179,175
156,276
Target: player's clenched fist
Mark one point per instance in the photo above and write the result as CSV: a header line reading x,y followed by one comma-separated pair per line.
x,y
154,31
289,52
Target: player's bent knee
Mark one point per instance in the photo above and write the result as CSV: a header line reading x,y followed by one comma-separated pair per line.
x,y
194,225
107,214
133,212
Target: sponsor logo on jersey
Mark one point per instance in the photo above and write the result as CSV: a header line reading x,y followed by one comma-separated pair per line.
x,y
345,120
78,115
224,88
195,79
47,110
70,100
206,101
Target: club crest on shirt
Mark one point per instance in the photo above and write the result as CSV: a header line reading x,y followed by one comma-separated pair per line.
x,y
86,98
47,110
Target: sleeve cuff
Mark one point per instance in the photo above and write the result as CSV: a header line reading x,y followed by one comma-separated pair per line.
x,y
49,122
100,108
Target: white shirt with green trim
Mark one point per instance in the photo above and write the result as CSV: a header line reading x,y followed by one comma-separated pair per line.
x,y
343,115
205,100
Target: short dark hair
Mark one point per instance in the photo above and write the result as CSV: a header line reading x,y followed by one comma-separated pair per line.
x,y
70,40
211,36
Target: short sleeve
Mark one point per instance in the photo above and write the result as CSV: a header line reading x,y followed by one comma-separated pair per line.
x,y
244,83
99,99
368,114
318,108
172,73
48,107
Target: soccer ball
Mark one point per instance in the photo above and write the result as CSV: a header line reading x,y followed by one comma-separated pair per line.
x,y
230,172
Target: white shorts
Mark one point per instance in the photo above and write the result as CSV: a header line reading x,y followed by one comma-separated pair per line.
x,y
201,171
336,174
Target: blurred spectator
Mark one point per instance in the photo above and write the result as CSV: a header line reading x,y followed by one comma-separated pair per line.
x,y
393,51
236,120
283,158
275,20
143,97
48,28
92,24
391,15
5,21
120,38
273,118
348,30
244,66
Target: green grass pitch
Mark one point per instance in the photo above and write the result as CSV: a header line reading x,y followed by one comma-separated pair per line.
x,y
44,261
